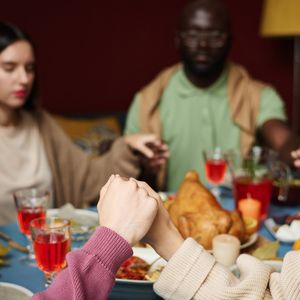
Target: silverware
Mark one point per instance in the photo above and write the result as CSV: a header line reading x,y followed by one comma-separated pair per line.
x,y
13,243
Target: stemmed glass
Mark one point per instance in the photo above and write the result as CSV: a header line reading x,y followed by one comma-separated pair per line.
x,y
215,168
31,204
51,242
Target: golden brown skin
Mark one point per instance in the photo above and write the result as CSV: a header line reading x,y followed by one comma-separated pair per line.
x,y
197,214
238,228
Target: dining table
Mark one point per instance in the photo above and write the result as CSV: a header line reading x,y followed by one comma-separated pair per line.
x,y
30,277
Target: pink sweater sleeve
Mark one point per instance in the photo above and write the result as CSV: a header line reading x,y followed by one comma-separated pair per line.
x,y
91,270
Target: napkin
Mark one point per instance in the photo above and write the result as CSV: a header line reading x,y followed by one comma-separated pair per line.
x,y
289,232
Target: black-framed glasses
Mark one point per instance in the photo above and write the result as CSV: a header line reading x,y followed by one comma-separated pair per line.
x,y
212,38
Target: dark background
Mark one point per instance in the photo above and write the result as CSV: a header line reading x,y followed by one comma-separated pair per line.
x,y
94,55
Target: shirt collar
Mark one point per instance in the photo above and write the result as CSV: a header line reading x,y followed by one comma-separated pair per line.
x,y
187,88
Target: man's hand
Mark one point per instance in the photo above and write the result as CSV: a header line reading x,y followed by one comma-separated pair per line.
x,y
278,136
154,153
127,208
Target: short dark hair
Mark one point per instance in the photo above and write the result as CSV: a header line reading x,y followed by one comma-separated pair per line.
x,y
9,34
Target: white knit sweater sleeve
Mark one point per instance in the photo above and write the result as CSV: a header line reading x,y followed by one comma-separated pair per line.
x,y
192,273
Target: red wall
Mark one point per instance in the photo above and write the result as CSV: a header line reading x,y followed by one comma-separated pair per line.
x,y
93,55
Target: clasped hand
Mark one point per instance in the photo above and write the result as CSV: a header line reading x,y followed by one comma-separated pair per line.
x,y
135,211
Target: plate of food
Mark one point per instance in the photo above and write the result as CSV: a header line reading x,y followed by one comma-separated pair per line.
x,y
197,213
141,266
136,276
83,222
10,291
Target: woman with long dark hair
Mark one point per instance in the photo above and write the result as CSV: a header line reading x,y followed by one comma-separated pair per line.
x,y
35,152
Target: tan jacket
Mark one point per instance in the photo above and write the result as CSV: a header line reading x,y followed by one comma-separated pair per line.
x,y
77,178
192,273
244,98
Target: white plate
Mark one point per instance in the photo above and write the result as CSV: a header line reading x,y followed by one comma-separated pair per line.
x,y
86,221
10,291
150,256
87,216
252,239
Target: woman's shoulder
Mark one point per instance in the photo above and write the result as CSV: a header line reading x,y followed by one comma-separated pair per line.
x,y
41,116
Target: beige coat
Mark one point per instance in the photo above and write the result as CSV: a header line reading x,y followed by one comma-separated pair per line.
x,y
77,178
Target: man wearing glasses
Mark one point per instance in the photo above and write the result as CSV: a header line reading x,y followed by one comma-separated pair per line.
x,y
207,101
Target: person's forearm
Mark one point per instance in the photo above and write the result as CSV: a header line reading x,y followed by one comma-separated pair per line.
x,y
169,246
192,273
91,271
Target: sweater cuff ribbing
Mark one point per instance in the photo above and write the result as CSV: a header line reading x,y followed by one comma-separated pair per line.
x,y
108,247
187,268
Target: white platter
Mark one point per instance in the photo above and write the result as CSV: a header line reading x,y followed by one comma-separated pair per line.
x,y
10,291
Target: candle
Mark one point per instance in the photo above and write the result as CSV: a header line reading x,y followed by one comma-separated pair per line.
x,y
250,207
226,249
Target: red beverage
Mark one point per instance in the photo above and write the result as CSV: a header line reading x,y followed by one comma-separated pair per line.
x,y
50,251
215,170
27,214
244,187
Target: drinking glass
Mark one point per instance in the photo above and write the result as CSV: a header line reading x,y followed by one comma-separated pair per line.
x,y
253,176
31,204
51,242
215,168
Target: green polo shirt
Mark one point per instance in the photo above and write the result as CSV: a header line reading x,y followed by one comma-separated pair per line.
x,y
195,119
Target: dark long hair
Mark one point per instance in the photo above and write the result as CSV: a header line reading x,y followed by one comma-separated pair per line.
x,y
9,34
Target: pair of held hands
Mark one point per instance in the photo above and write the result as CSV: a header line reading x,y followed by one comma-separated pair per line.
x,y
135,211
154,152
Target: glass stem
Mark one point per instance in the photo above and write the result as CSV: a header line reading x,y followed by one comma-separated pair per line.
x,y
49,276
215,190
30,248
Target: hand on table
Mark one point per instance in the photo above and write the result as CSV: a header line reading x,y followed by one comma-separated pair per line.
x,y
127,208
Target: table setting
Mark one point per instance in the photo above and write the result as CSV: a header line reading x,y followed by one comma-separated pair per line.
x,y
33,250
260,217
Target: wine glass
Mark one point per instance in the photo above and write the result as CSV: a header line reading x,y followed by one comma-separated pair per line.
x,y
51,242
215,168
31,204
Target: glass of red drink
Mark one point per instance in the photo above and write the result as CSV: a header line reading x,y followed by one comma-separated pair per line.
x,y
215,168
51,242
261,190
253,175
31,204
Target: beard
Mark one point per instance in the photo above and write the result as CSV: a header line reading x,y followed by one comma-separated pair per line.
x,y
213,66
